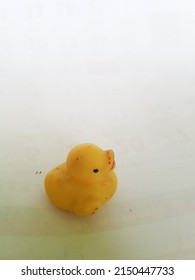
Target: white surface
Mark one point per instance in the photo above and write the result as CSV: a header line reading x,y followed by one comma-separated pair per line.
x,y
116,73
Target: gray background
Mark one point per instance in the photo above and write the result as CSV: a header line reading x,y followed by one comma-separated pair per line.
x,y
119,74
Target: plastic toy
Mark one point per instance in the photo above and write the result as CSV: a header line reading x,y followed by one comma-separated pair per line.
x,y
84,182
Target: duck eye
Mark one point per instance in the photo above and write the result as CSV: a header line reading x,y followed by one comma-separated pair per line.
x,y
95,170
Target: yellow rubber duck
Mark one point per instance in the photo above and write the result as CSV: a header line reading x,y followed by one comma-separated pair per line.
x,y
84,182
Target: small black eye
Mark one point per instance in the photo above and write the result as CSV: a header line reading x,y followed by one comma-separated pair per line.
x,y
95,170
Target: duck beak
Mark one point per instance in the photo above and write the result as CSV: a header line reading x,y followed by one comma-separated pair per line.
x,y
110,159
114,165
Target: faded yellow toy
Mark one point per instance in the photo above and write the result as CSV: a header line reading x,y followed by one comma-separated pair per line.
x,y
84,182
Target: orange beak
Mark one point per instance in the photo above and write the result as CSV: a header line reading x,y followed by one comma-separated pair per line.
x,y
110,158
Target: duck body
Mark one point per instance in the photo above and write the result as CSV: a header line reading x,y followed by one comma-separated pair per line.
x,y
84,182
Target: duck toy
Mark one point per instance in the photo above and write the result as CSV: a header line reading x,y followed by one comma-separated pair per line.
x,y
84,182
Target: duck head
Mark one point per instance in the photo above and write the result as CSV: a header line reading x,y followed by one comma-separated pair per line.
x,y
89,163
